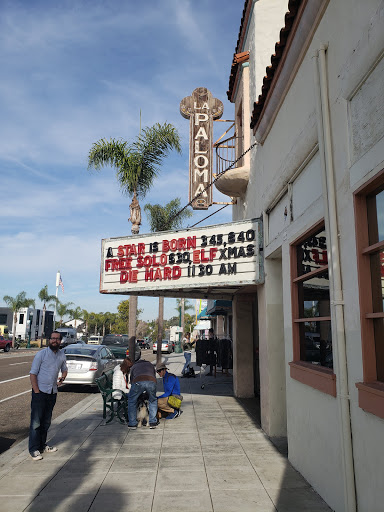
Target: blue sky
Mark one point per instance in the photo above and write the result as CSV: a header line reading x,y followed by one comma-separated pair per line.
x,y
73,72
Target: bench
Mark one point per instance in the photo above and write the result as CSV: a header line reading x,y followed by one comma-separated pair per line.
x,y
114,407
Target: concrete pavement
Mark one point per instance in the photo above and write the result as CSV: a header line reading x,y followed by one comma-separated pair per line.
x,y
214,457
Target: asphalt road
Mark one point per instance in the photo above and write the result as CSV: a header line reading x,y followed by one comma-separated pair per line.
x,y
15,395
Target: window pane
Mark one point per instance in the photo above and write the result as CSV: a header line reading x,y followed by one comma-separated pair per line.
x,y
316,343
377,280
314,297
375,210
378,324
312,253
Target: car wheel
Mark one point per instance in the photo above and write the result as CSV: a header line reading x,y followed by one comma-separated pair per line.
x,y
7,347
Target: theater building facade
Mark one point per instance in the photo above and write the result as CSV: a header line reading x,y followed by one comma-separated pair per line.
x,y
307,84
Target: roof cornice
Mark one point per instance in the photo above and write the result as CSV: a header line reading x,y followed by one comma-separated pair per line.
x,y
281,48
236,67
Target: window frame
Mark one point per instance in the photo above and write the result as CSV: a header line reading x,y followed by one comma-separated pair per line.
x,y
319,377
370,391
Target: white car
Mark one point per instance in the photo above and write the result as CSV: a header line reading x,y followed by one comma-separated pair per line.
x,y
166,346
95,340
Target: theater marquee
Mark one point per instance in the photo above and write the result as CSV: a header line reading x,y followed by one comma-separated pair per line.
x,y
215,261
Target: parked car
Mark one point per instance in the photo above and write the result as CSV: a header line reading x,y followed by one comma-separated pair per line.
x,y
166,346
95,340
143,344
118,344
86,362
5,344
69,336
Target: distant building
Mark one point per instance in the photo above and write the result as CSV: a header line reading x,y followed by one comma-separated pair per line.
x,y
29,322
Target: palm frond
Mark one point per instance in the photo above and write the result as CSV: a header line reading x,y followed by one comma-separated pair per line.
x,y
103,153
136,164
163,218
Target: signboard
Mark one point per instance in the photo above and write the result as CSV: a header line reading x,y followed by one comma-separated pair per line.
x,y
200,108
210,261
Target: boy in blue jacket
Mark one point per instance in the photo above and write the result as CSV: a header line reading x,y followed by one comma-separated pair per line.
x,y
171,387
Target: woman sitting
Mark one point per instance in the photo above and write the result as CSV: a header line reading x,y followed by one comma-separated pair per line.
x,y
121,383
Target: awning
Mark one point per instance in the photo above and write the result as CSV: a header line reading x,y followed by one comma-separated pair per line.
x,y
203,314
219,307
203,325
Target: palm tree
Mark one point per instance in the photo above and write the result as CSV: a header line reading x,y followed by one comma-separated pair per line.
x,y
104,319
137,164
63,309
76,314
87,317
45,297
183,306
164,218
17,303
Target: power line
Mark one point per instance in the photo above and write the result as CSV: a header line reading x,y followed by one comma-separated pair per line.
x,y
212,182
205,218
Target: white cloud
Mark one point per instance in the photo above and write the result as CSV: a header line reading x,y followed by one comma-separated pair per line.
x,y
77,71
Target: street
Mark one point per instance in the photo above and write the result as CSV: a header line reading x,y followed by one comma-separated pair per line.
x,y
15,389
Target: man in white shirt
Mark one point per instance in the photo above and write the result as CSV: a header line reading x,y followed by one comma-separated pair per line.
x,y
44,373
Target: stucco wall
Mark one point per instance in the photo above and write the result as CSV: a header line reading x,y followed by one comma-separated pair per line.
x,y
354,33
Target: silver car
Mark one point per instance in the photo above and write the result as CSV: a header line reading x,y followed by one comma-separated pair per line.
x,y
166,346
87,362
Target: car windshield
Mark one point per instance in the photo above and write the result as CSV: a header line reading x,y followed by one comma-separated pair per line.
x,y
79,351
111,339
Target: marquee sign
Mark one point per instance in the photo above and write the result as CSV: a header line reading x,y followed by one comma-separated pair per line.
x,y
208,261
200,108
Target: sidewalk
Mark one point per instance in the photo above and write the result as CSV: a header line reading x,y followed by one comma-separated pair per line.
x,y
214,457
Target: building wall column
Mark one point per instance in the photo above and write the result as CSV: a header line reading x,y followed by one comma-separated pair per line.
x,y
243,380
220,326
273,404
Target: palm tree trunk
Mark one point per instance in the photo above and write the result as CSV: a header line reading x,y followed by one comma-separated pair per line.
x,y
132,326
160,328
135,218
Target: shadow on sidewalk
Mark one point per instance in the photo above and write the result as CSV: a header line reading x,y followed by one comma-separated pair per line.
x,y
75,483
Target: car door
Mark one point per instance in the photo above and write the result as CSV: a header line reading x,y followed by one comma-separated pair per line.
x,y
111,359
104,359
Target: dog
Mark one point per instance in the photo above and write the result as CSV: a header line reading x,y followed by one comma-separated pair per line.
x,y
142,410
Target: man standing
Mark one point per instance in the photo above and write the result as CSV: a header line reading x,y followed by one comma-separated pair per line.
x,y
143,378
44,373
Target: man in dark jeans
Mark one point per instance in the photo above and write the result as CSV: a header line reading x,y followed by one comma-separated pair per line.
x,y
143,378
44,373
